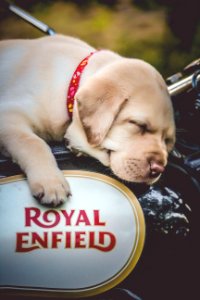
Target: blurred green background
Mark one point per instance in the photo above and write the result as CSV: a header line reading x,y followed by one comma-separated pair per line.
x,y
165,33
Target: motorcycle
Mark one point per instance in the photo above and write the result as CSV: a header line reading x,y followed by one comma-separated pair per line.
x,y
169,263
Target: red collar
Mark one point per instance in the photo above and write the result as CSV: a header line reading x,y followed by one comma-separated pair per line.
x,y
74,83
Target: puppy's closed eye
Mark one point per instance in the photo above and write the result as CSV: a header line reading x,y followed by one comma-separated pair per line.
x,y
143,128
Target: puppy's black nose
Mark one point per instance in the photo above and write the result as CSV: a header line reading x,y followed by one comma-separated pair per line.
x,y
156,169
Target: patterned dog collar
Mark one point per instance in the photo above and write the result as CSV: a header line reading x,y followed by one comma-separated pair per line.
x,y
74,83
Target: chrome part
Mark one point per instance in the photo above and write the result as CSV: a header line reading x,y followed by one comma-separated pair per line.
x,y
30,19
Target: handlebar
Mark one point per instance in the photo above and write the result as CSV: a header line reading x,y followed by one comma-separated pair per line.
x,y
30,19
182,85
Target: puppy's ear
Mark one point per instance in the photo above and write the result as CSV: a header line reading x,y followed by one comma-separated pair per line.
x,y
99,102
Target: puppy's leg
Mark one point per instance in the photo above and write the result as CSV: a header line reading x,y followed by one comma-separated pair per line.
x,y
46,181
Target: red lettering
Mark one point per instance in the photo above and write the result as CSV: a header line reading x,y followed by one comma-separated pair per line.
x,y
68,240
20,242
29,241
82,218
51,218
46,218
97,219
42,242
102,245
56,239
79,239
68,216
32,215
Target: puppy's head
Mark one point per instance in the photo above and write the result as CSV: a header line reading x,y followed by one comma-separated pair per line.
x,y
125,111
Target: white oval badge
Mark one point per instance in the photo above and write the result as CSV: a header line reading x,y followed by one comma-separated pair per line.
x,y
85,247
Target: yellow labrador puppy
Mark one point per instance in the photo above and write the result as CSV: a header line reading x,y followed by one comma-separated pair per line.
x,y
122,113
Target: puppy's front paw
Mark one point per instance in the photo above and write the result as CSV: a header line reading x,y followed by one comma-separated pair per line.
x,y
50,188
